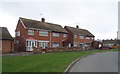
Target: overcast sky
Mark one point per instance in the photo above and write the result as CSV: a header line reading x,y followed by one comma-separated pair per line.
x,y
100,17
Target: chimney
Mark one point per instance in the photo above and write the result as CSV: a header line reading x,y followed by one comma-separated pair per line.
x,y
77,26
43,19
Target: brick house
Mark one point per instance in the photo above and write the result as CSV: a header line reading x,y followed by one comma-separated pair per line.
x,y
32,33
79,37
7,41
111,42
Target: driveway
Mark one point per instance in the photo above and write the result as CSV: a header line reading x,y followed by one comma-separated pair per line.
x,y
99,62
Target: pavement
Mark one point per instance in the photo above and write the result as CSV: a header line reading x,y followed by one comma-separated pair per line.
x,y
18,54
98,62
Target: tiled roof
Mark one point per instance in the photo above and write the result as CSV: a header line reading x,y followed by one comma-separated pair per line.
x,y
4,34
111,41
79,31
29,23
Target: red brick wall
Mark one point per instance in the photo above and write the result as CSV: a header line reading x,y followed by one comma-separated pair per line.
x,y
24,35
71,38
21,38
59,39
83,40
7,46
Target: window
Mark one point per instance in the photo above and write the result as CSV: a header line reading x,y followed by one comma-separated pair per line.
x,y
30,32
28,43
31,43
92,38
75,44
43,44
41,33
65,35
87,38
81,44
88,44
17,33
81,37
56,34
75,36
55,45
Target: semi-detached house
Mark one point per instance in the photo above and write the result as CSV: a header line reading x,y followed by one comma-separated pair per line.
x,y
33,33
78,37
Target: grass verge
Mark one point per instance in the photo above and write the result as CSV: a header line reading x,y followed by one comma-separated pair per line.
x,y
56,62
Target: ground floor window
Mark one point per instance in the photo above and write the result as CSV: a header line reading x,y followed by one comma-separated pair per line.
x,y
75,44
55,45
88,44
81,44
43,44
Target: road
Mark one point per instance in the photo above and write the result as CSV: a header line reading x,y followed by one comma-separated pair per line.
x,y
98,62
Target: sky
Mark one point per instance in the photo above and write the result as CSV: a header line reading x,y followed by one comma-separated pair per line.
x,y
100,17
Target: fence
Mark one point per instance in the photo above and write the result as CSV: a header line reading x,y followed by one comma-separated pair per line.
x,y
53,50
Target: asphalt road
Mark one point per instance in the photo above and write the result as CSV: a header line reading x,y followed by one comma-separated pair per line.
x,y
99,62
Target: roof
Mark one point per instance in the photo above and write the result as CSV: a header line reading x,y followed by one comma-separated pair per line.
x,y
29,23
79,31
111,41
4,34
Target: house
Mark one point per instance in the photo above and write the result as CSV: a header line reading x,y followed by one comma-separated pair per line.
x,y
96,44
111,43
6,40
79,37
33,33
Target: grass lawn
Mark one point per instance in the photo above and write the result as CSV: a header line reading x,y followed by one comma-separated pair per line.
x,y
56,62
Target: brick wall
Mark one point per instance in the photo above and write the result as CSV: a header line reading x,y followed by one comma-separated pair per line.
x,y
24,35
7,46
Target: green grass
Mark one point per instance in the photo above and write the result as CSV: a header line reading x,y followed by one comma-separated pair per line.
x,y
56,62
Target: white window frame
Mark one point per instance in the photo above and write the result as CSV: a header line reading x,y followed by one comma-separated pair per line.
x,y
75,36
55,34
43,33
75,44
30,32
65,35
43,44
81,37
92,38
55,45
88,38
81,44
17,33
88,44
29,43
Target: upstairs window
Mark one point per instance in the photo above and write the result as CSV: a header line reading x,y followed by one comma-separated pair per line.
x,y
88,38
17,33
42,33
56,34
75,36
65,35
81,37
92,38
30,32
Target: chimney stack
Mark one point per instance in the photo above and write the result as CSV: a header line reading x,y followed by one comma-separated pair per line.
x,y
77,26
43,19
